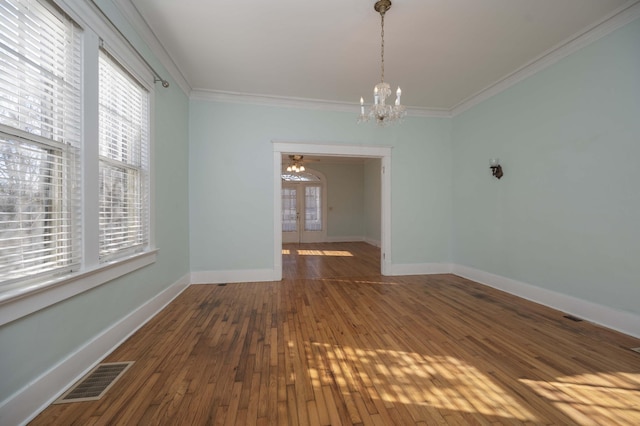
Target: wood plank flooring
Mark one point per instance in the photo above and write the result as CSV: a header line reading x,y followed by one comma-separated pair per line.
x,y
337,343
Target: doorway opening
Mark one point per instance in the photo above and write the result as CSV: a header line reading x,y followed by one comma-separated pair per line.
x,y
361,151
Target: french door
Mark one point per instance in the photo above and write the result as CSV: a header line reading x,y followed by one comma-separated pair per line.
x,y
303,213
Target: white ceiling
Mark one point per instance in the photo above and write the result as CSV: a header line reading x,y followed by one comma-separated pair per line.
x,y
441,52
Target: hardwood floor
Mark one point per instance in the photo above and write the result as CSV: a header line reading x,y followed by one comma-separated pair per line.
x,y
337,343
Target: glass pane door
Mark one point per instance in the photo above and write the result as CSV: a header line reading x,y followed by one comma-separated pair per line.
x,y
303,211
312,208
289,209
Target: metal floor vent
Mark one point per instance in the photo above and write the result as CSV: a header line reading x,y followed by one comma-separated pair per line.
x,y
96,383
572,318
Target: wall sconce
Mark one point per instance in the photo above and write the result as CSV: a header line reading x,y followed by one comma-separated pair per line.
x,y
496,168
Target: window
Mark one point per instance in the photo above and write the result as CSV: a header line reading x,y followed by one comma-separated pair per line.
x,y
123,166
40,109
75,203
299,177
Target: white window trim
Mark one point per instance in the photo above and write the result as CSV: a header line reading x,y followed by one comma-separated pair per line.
x,y
24,298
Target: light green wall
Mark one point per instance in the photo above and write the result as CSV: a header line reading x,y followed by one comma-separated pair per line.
x,y
565,215
372,200
345,198
33,344
231,180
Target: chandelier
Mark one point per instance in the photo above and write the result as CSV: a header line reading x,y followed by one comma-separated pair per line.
x,y
383,114
295,164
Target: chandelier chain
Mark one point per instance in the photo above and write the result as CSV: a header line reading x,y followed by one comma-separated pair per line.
x,y
382,48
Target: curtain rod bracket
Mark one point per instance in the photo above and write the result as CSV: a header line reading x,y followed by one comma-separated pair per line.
x,y
156,76
156,79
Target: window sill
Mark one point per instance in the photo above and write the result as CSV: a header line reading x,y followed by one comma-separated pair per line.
x,y
19,302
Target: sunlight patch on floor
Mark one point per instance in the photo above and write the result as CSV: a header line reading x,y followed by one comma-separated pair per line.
x,y
335,253
441,382
593,398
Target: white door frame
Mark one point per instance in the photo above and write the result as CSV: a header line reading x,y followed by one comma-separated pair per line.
x,y
336,150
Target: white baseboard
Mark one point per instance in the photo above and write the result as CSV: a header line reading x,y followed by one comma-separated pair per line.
x,y
376,243
624,322
345,239
233,276
29,401
353,239
419,268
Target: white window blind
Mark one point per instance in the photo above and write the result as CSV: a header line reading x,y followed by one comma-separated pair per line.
x,y
124,161
40,104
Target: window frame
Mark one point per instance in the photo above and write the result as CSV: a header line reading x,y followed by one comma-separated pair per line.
x,y
142,170
57,157
41,132
18,299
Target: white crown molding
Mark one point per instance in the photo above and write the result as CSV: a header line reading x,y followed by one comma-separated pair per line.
x,y
29,401
624,322
132,15
617,19
299,103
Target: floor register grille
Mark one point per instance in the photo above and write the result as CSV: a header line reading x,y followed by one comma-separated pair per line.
x,y
95,383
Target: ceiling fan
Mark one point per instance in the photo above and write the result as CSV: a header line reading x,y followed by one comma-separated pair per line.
x,y
296,163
